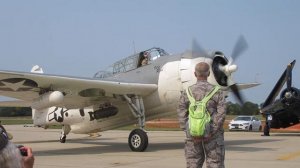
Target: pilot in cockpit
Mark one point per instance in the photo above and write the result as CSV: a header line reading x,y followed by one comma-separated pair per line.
x,y
145,59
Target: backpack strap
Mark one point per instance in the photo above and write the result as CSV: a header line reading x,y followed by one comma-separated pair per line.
x,y
210,94
205,99
190,96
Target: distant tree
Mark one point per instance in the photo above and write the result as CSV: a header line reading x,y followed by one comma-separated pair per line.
x,y
233,108
250,108
15,111
23,111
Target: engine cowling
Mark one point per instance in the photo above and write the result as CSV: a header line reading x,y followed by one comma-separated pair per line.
x,y
219,61
290,96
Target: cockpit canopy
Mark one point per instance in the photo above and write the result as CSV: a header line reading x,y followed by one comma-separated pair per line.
x,y
132,62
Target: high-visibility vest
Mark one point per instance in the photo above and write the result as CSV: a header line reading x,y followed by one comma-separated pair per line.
x,y
199,117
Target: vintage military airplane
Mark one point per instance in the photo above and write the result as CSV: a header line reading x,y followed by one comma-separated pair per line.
x,y
285,111
125,93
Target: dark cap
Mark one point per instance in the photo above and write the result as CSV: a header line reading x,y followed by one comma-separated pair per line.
x,y
3,138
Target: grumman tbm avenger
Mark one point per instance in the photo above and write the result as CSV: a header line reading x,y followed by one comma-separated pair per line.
x,y
126,93
285,111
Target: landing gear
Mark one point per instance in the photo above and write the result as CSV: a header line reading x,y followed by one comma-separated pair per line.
x,y
267,125
65,131
266,129
62,138
138,138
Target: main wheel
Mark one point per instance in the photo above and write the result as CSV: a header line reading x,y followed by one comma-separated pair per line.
x,y
62,139
250,128
138,140
266,130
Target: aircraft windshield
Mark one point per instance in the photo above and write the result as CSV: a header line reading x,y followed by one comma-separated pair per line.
x,y
132,62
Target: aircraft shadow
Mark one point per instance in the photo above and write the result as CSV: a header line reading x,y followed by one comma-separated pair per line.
x,y
237,145
69,140
285,134
108,147
101,146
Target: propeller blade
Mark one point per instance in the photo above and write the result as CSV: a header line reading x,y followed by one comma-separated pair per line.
x,y
240,46
275,91
197,50
237,93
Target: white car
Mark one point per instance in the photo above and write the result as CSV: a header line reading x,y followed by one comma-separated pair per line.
x,y
247,123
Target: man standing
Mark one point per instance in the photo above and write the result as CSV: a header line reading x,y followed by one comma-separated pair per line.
x,y
211,146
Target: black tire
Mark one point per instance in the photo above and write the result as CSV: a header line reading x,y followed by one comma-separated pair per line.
x,y
138,140
266,130
250,128
63,139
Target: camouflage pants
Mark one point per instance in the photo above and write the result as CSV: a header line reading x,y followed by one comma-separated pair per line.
x,y
213,150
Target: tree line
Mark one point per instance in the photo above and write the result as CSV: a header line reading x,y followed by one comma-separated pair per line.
x,y
15,111
248,108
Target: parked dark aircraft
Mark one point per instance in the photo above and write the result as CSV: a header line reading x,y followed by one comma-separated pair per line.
x,y
285,111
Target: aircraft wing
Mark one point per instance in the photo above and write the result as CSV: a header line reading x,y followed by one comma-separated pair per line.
x,y
242,86
79,92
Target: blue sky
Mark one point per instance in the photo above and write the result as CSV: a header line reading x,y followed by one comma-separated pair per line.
x,y
80,37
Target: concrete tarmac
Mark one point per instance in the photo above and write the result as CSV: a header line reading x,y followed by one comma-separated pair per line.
x,y
165,150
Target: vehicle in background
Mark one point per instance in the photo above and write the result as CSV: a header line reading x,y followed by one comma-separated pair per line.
x,y
247,123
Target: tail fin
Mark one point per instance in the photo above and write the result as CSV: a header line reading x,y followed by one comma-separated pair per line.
x,y
37,69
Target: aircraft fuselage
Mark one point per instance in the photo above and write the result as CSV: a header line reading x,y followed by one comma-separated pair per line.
x,y
172,74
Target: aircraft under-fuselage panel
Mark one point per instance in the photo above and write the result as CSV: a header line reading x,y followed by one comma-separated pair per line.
x,y
130,90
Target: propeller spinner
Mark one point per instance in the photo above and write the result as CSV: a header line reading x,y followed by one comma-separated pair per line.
x,y
223,68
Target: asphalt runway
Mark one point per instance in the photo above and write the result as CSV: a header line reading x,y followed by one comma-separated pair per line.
x,y
165,150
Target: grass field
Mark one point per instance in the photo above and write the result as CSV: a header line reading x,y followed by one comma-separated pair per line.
x,y
15,120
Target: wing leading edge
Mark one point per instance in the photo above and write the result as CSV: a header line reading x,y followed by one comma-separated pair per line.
x,y
29,86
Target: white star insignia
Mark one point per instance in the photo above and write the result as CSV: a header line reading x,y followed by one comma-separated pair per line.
x,y
16,86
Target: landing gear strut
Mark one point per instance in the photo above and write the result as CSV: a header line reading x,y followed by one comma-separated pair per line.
x,y
62,138
266,129
65,131
138,138
267,125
